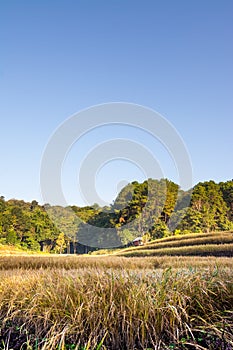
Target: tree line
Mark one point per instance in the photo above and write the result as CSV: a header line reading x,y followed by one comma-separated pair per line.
x,y
152,209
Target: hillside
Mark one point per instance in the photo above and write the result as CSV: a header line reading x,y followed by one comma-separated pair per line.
x,y
204,244
154,209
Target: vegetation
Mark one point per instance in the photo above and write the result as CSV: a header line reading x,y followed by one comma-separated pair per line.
x,y
115,303
197,250
153,209
72,262
214,243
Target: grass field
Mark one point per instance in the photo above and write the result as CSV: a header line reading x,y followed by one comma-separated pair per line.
x,y
215,244
113,302
116,303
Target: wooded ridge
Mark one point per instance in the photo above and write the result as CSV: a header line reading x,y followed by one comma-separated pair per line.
x,y
153,209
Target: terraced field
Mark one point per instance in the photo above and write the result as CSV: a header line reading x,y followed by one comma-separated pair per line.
x,y
203,244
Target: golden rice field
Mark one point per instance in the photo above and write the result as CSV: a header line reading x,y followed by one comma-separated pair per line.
x,y
72,302
198,244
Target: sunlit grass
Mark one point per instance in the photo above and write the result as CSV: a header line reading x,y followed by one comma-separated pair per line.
x,y
72,262
188,240
115,303
211,244
192,250
121,302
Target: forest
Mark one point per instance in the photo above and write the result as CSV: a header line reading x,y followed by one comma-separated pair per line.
x,y
153,209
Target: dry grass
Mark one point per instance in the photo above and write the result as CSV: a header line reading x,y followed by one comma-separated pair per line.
x,y
190,240
72,262
191,236
212,244
192,250
116,303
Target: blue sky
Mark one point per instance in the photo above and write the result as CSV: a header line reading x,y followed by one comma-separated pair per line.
x,y
59,57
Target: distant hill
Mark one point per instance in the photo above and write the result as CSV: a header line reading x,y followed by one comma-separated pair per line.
x,y
153,209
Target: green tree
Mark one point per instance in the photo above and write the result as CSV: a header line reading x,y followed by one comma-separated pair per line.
x,y
61,244
208,210
227,192
159,230
11,237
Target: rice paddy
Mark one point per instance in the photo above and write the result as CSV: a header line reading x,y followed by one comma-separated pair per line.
x,y
116,303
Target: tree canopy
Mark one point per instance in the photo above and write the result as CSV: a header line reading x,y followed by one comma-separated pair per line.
x,y
154,209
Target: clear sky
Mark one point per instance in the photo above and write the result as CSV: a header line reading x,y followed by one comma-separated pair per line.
x,y
59,57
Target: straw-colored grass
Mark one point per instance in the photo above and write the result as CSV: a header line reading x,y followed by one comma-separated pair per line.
x,y
211,244
116,303
192,250
206,235
190,240
72,262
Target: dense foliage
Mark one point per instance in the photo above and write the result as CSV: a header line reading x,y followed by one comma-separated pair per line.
x,y
152,209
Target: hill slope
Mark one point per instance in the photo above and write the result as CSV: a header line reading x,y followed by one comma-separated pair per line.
x,y
201,244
